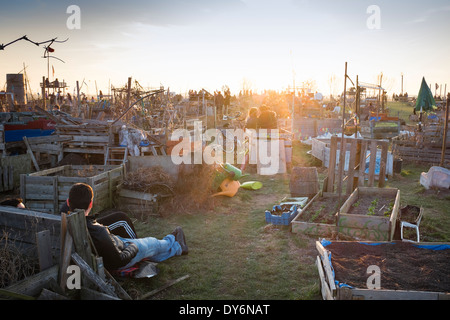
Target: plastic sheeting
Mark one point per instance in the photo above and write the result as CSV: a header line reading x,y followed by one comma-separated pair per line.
x,y
436,177
132,138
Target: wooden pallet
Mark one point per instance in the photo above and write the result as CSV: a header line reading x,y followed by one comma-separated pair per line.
x,y
357,164
87,138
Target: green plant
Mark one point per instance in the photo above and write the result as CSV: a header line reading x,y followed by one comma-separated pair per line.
x,y
317,213
388,211
372,207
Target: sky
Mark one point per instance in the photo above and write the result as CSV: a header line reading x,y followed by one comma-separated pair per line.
x,y
243,44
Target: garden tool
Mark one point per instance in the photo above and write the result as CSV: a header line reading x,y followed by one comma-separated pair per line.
x,y
229,188
232,169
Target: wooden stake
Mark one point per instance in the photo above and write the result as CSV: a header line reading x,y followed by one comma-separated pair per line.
x,y
164,287
444,138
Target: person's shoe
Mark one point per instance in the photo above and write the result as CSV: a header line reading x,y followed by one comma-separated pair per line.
x,y
181,239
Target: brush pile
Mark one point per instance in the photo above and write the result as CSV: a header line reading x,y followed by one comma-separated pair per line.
x,y
190,192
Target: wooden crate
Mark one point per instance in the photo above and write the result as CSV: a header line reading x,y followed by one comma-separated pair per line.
x,y
369,227
380,130
330,291
302,225
47,190
21,226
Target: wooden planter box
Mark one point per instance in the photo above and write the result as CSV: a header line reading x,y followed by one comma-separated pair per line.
x,y
23,225
356,220
329,275
311,219
380,129
138,203
47,190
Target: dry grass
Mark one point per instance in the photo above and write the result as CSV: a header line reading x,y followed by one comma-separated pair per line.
x,y
14,265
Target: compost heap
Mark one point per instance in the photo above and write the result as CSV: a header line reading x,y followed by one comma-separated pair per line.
x,y
403,265
190,192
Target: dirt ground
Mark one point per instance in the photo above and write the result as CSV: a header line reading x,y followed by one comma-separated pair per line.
x,y
403,266
322,210
381,204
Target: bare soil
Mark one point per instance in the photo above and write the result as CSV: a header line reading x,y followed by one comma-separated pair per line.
x,y
379,203
403,266
321,210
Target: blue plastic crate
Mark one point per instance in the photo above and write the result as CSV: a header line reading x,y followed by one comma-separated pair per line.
x,y
282,215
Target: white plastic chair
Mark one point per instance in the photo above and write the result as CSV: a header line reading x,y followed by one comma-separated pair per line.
x,y
414,225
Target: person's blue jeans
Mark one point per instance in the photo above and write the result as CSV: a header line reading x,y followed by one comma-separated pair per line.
x,y
154,249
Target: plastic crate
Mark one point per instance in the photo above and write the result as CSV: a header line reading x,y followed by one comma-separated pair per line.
x,y
282,214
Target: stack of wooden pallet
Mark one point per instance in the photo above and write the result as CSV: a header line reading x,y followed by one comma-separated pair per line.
x,y
86,138
423,145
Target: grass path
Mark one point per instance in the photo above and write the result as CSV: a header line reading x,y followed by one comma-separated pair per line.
x,y
234,254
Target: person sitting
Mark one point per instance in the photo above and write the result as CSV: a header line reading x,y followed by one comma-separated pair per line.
x,y
252,119
267,118
118,252
117,222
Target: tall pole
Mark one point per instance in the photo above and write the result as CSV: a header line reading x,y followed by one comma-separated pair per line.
x,y
43,94
444,139
402,85
129,93
78,100
342,152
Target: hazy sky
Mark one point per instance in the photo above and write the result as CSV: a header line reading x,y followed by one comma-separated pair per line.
x,y
210,43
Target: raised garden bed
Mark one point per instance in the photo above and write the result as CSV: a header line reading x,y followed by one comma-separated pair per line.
x,y
318,217
47,190
370,214
408,270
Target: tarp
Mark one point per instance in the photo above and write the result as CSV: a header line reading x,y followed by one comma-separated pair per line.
x,y
425,101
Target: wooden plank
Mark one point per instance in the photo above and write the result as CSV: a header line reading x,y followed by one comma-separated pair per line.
x,y
325,289
66,251
77,227
383,163
91,275
33,285
381,294
394,215
372,163
14,295
164,287
350,200
126,193
30,152
362,164
341,163
351,166
327,267
332,165
44,249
